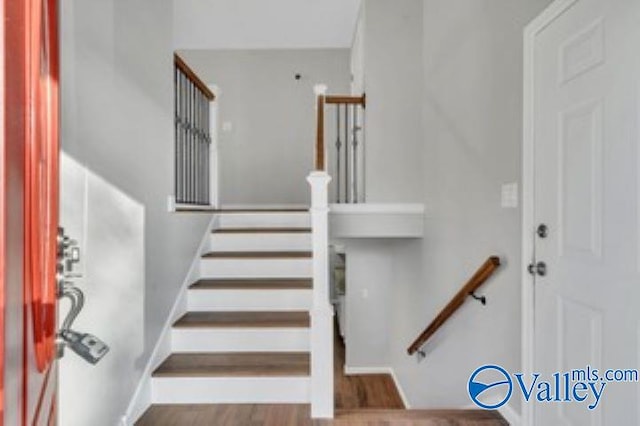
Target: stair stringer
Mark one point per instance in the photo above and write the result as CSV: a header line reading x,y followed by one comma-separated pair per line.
x,y
142,396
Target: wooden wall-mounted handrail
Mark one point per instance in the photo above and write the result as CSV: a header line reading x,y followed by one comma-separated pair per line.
x,y
191,75
347,100
481,275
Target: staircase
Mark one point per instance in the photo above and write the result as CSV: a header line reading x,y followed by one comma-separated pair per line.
x,y
245,337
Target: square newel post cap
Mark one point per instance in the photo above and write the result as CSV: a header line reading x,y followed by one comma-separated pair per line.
x,y
320,89
319,178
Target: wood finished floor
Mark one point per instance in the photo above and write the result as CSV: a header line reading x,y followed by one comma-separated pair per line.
x,y
361,400
299,415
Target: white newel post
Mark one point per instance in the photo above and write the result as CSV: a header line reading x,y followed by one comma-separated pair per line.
x,y
322,310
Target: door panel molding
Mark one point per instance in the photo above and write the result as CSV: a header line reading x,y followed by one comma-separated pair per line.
x,y
590,41
569,236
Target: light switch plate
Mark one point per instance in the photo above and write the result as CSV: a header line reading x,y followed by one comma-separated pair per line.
x,y
509,199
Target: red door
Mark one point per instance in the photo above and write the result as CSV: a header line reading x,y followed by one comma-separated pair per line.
x,y
28,212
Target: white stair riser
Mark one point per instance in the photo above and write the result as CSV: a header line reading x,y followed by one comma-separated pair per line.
x,y
240,340
255,268
260,242
230,390
265,220
249,300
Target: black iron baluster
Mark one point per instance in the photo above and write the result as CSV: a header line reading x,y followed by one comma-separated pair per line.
x,y
346,154
175,131
207,154
183,138
192,141
197,147
187,135
201,197
338,153
356,128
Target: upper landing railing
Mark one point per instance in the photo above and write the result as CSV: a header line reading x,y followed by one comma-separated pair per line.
x,y
344,160
192,178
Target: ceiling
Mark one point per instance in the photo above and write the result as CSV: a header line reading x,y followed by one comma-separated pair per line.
x,y
264,24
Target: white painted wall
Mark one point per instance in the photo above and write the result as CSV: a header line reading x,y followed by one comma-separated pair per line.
x,y
470,104
259,24
368,290
387,66
117,141
268,153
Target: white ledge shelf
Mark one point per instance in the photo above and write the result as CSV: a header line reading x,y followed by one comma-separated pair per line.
x,y
376,220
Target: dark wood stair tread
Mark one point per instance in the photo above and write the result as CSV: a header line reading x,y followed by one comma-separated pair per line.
x,y
233,211
294,319
254,284
258,255
265,210
235,364
262,231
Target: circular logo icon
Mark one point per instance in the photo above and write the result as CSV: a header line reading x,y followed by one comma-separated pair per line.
x,y
490,387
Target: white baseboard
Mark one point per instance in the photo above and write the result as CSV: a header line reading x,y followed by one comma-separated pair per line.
x,y
403,395
349,371
506,411
141,399
510,415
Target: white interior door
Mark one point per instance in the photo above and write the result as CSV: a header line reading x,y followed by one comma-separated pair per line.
x,y
586,110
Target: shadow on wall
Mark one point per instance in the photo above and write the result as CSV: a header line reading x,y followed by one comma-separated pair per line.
x,y
109,226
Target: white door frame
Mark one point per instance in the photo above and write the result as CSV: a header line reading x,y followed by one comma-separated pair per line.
x,y
553,11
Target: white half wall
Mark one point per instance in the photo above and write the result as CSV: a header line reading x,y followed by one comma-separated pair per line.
x,y
266,131
117,142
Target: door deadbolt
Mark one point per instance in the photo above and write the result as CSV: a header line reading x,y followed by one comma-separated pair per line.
x,y
542,231
539,269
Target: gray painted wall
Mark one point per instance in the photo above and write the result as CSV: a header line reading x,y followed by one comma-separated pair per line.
x,y
392,77
444,87
472,97
117,142
370,286
268,154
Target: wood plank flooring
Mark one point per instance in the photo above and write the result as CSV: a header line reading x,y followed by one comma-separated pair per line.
x,y
299,415
361,391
